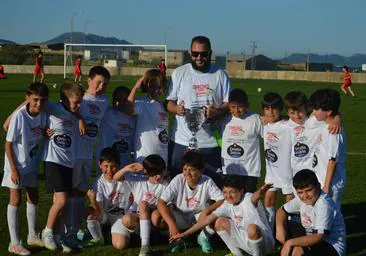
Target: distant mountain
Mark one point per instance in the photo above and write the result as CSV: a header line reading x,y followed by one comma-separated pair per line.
x,y
355,60
3,41
79,38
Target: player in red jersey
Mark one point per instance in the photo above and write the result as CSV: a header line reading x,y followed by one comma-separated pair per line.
x,y
2,74
77,71
347,85
38,68
162,66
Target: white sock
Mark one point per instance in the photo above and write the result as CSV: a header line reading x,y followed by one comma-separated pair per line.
x,y
31,218
271,213
228,241
48,230
145,228
12,215
95,229
209,231
257,246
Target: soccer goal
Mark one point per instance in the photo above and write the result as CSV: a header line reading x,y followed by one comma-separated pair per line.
x,y
113,56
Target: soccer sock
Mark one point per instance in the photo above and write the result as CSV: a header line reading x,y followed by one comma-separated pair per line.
x,y
271,216
228,241
145,227
31,218
95,229
257,246
12,215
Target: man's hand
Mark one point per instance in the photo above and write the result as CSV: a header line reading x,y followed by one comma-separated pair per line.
x,y
180,109
15,177
210,111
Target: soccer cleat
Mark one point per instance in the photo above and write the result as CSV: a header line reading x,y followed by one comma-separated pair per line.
x,y
34,240
176,246
145,250
72,242
205,244
94,242
48,241
18,249
62,246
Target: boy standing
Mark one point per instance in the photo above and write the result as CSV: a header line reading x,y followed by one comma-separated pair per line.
x,y
322,229
240,150
38,68
21,164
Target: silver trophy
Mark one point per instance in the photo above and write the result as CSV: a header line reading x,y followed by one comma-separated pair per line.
x,y
195,117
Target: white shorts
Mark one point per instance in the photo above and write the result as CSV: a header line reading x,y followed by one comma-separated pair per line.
x,y
286,187
239,237
81,173
29,179
116,224
185,220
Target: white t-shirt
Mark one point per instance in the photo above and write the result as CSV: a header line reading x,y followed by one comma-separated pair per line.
x,y
25,133
92,109
143,190
191,201
197,89
152,123
116,131
60,147
277,154
331,146
322,217
113,195
245,213
305,139
240,150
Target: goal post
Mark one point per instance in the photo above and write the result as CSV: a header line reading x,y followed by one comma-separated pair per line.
x,y
139,55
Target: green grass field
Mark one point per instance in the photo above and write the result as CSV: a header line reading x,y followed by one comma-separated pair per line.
x,y
354,122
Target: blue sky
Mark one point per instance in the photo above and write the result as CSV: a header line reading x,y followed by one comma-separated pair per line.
x,y
318,26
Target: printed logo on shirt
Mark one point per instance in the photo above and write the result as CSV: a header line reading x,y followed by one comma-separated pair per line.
x,y
115,197
148,196
301,150
62,141
163,137
120,146
36,131
298,130
306,222
191,202
270,155
238,219
315,160
235,151
163,116
271,137
236,130
33,151
92,130
201,89
93,109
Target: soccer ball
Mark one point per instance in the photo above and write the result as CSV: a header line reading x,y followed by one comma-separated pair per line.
x,y
54,86
259,89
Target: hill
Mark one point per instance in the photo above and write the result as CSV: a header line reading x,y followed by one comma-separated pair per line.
x,y
355,60
3,41
79,37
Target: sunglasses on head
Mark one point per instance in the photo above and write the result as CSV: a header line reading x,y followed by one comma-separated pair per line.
x,y
203,54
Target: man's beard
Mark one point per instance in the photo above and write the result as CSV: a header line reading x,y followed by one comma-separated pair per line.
x,y
204,68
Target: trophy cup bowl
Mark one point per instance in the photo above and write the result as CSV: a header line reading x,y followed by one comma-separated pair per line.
x,y
195,117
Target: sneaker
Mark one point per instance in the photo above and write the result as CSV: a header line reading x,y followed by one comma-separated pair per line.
x,y
145,250
94,242
62,246
34,240
205,244
72,242
176,246
48,241
18,249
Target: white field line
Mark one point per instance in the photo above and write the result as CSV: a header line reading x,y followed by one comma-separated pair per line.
x,y
356,154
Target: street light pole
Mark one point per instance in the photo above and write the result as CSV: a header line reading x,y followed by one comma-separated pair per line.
x,y
85,26
71,32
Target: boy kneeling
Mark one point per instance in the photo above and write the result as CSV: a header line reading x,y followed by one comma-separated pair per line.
x,y
322,229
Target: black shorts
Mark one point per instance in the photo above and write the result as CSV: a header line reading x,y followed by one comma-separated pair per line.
x,y
58,178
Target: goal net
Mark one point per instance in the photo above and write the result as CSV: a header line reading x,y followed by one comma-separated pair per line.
x,y
112,56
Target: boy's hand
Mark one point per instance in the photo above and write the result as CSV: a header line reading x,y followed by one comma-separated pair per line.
x,y
82,127
15,177
281,236
262,190
286,249
139,82
173,231
48,133
325,189
135,167
176,237
334,126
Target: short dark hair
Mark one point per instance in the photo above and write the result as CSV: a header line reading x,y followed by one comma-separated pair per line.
x,y
326,99
38,89
118,90
304,179
154,165
239,95
99,70
233,181
345,67
194,158
296,100
109,154
273,100
201,40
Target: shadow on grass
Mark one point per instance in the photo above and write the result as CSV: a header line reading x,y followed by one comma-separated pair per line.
x,y
354,216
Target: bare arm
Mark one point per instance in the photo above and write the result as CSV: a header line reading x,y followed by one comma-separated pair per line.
x,y
301,241
15,177
168,217
281,220
175,108
329,175
132,96
135,167
260,192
